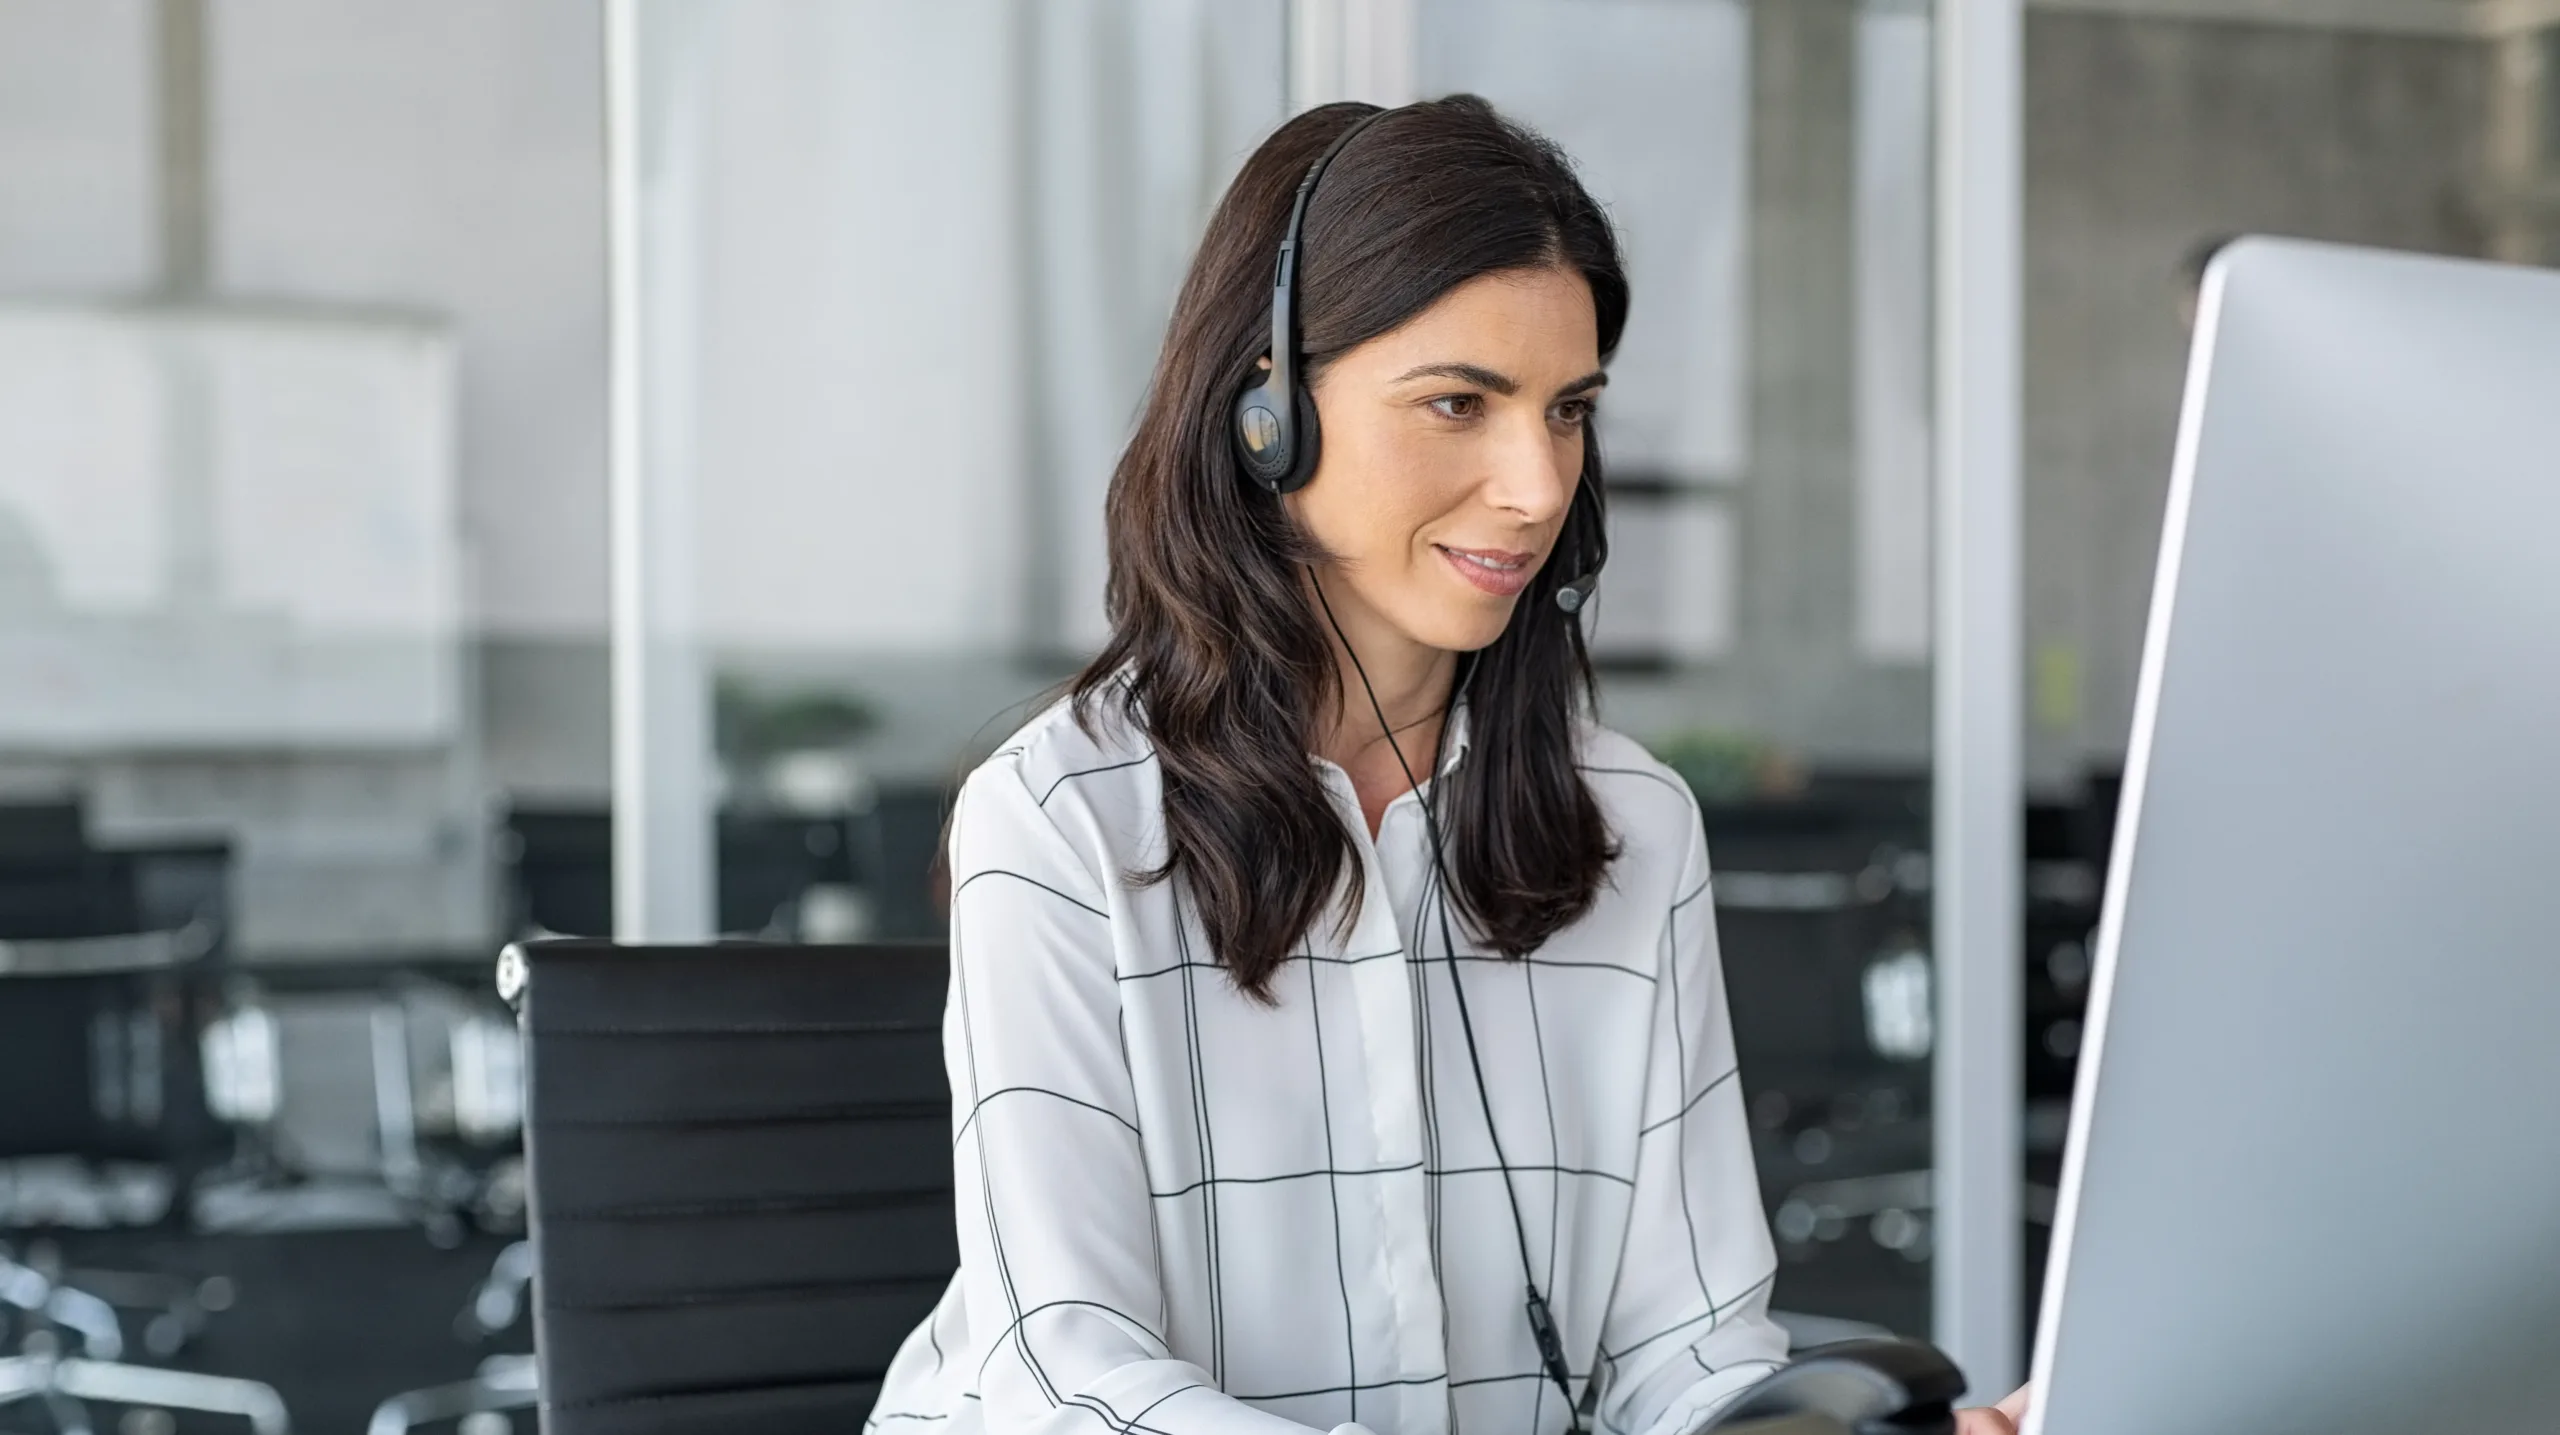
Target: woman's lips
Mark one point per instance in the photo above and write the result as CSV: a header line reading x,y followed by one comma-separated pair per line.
x,y
1501,573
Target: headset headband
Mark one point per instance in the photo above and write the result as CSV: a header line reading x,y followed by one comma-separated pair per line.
x,y
1284,279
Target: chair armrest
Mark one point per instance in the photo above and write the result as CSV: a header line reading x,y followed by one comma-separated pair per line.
x,y
1865,1387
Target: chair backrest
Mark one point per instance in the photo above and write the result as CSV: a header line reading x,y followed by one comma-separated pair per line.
x,y
740,1171
1810,894
41,827
103,962
103,1065
560,870
560,864
52,883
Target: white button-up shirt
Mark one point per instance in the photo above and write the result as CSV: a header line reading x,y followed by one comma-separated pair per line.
x,y
1184,1212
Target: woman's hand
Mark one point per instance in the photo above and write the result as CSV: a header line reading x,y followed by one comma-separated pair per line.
x,y
2001,1419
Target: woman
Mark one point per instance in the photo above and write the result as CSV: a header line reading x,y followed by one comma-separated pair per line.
x,y
1294,1092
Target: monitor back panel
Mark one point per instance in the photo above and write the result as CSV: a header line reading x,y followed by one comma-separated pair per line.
x,y
2313,1181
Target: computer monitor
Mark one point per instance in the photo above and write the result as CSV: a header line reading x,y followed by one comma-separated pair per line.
x,y
2313,1179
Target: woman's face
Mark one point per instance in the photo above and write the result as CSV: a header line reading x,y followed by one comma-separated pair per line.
x,y
1451,449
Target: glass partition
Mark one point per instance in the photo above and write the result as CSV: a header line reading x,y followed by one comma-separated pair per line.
x,y
971,218
2153,134
302,632
1764,625
926,262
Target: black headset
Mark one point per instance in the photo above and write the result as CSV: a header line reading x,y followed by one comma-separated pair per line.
x,y
1278,440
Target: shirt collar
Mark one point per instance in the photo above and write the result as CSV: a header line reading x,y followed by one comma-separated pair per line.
x,y
1453,747
1454,744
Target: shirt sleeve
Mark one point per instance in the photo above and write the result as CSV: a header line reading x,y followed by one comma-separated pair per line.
x,y
1688,1325
1057,1249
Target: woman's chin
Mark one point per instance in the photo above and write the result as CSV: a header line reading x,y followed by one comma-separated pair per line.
x,y
1465,631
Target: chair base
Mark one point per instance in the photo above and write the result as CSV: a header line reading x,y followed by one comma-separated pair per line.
x,y
505,1382
63,1384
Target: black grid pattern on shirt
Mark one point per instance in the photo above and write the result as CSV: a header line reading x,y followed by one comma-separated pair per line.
x,y
1189,969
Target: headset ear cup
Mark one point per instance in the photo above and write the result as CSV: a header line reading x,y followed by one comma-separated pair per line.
x,y
1306,444
1263,441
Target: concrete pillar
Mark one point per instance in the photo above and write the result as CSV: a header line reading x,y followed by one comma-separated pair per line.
x,y
1796,508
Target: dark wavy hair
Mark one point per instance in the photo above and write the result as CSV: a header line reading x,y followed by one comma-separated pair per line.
x,y
1227,664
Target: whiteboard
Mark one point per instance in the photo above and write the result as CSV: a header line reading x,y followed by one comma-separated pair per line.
x,y
226,529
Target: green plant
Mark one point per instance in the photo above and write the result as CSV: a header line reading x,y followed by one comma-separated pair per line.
x,y
747,723
1722,766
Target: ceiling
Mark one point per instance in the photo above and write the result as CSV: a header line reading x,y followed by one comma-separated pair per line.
x,y
2418,17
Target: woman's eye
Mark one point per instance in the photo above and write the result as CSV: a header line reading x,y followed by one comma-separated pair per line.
x,y
1573,413
1459,406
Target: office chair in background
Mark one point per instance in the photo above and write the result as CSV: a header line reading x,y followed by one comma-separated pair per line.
x,y
1822,907
101,979
382,1096
783,876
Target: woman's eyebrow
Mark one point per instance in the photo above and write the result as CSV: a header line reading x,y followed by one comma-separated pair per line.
x,y
1500,383
1475,374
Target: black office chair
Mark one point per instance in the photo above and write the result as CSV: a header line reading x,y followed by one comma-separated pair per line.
x,y
97,1062
559,869
905,840
740,1178
1821,906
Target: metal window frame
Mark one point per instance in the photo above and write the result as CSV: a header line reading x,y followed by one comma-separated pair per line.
x,y
1978,815
662,761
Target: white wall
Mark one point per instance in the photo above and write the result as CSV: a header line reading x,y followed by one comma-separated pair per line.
x,y
77,168
938,245
860,437
448,157
1652,100
1894,401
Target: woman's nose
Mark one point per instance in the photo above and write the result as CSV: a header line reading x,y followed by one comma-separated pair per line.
x,y
1532,475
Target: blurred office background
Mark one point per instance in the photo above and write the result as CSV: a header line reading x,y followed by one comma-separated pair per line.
x,y
304,589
